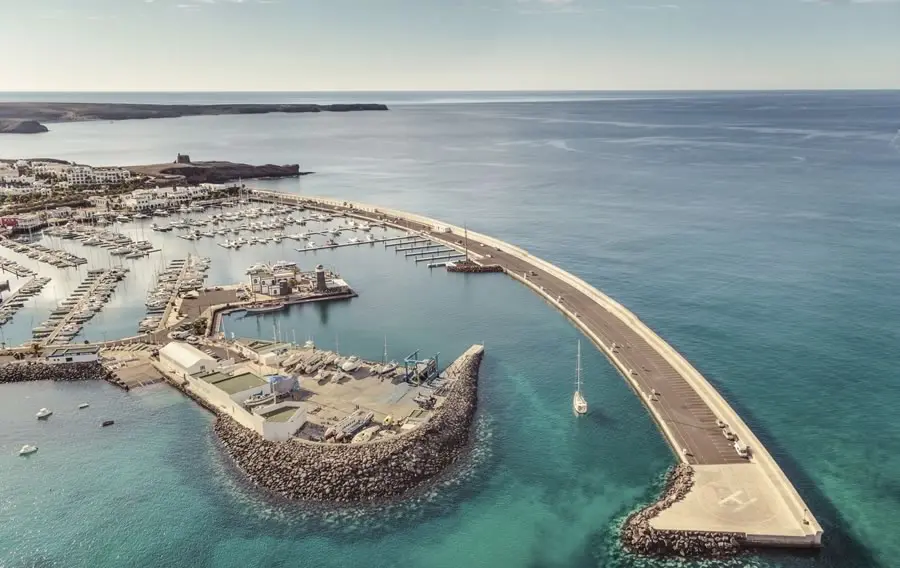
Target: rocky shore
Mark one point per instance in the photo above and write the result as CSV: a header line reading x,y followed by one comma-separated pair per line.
x,y
39,371
640,538
15,126
360,473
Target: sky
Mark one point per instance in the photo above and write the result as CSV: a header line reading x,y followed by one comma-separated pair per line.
x,y
421,45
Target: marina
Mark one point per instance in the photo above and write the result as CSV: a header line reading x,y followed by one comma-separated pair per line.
x,y
54,257
65,322
12,303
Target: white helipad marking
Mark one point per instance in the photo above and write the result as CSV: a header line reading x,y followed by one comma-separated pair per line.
x,y
739,504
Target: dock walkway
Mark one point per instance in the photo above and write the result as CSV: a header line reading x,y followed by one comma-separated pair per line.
x,y
749,496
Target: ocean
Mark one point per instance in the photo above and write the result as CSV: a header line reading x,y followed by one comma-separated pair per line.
x,y
759,233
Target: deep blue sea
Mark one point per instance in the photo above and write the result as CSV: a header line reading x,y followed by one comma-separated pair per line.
x,y
759,233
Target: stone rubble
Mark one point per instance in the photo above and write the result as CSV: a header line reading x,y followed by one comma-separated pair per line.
x,y
40,371
366,472
639,537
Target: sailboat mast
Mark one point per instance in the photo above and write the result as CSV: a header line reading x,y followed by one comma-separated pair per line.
x,y
466,231
578,368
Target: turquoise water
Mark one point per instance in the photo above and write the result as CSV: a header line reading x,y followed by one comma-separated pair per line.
x,y
757,233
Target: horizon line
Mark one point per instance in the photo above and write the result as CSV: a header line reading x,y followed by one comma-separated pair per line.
x,y
502,91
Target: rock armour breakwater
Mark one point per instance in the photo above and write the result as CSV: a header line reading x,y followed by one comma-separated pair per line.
x,y
361,473
641,538
38,371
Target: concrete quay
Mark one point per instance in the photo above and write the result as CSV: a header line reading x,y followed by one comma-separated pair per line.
x,y
748,498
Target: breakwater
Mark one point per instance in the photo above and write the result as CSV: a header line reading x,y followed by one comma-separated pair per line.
x,y
21,372
639,537
762,504
366,472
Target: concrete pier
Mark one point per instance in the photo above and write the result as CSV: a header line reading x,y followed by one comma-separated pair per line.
x,y
749,498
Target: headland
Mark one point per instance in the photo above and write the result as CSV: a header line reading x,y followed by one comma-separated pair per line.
x,y
12,114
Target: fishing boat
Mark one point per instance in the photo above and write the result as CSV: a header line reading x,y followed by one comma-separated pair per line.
x,y
579,405
264,308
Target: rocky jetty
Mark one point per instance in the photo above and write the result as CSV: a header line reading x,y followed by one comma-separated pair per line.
x,y
641,538
15,126
40,371
216,172
360,473
472,267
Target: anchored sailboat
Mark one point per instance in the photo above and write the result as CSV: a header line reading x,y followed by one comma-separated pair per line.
x,y
579,405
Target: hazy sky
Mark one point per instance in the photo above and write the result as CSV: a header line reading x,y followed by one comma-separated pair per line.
x,y
255,45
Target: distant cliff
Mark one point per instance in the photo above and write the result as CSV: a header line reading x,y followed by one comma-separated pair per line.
x,y
16,126
70,112
216,172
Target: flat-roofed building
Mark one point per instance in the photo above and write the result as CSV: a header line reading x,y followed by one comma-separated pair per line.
x,y
185,359
84,354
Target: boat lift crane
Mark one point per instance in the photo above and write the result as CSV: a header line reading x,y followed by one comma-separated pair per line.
x,y
416,374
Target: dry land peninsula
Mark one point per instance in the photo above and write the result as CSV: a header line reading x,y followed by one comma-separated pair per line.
x,y
26,118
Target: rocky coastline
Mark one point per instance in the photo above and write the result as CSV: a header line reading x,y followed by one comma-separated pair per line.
x,y
640,538
216,172
63,372
36,112
16,126
371,472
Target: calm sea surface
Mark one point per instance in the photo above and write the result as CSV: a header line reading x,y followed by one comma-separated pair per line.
x,y
758,232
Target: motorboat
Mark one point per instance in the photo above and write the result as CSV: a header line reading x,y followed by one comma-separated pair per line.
x,y
370,238
27,449
351,364
43,413
83,405
140,216
353,241
311,245
579,405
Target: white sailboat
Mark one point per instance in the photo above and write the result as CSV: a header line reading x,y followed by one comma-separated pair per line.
x,y
579,405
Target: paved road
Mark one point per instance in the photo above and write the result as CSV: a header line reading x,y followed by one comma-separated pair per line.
x,y
689,420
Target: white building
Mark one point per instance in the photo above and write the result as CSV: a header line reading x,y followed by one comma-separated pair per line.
x,y
85,175
163,197
185,360
85,354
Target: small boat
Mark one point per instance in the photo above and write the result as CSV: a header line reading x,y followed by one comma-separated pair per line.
x,y
108,423
579,405
27,449
43,413
264,309
83,405
351,364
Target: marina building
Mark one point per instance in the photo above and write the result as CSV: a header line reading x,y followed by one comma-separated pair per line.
x,y
85,354
185,360
163,197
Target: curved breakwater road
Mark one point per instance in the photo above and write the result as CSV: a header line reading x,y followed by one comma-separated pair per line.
x,y
748,499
